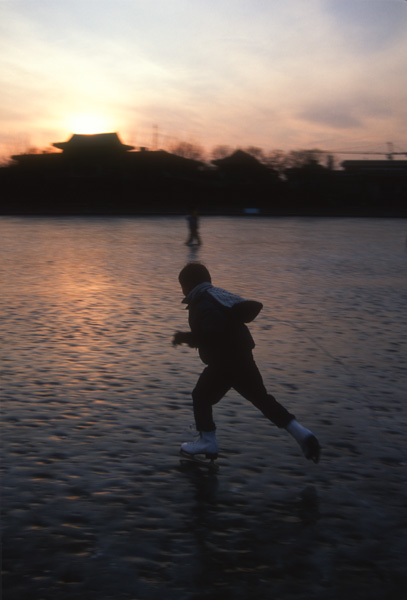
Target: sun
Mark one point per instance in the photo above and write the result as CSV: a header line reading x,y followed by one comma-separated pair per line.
x,y
88,123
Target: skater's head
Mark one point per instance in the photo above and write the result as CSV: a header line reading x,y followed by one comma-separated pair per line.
x,y
192,275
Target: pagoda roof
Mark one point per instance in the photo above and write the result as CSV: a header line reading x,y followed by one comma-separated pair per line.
x,y
93,142
239,159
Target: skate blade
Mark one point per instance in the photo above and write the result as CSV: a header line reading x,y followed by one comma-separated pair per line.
x,y
208,461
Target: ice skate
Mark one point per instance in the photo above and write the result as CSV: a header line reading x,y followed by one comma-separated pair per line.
x,y
206,444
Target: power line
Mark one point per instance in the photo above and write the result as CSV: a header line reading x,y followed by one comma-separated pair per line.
x,y
389,155
361,152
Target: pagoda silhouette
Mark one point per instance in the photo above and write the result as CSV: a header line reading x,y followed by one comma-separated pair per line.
x,y
97,174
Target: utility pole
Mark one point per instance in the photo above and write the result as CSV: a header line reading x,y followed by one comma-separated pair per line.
x,y
155,137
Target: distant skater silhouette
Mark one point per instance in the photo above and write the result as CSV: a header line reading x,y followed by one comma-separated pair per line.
x,y
193,225
217,321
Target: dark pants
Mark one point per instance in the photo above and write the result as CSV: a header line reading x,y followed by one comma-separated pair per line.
x,y
242,375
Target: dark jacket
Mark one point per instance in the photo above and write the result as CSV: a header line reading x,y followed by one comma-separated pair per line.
x,y
217,321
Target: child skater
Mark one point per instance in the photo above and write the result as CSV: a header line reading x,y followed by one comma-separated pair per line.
x,y
193,225
217,321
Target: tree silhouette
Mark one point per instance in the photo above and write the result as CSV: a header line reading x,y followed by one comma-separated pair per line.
x,y
221,151
188,150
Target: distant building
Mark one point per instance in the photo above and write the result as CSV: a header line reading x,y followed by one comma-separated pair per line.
x,y
239,160
390,167
102,147
98,174
95,143
241,164
379,183
102,154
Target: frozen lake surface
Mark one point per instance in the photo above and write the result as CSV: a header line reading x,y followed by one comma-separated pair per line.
x,y
96,401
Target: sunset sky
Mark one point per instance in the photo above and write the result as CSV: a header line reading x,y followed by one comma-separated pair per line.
x,y
278,74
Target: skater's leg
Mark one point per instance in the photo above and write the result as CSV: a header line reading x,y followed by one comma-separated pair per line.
x,y
212,385
210,388
248,382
